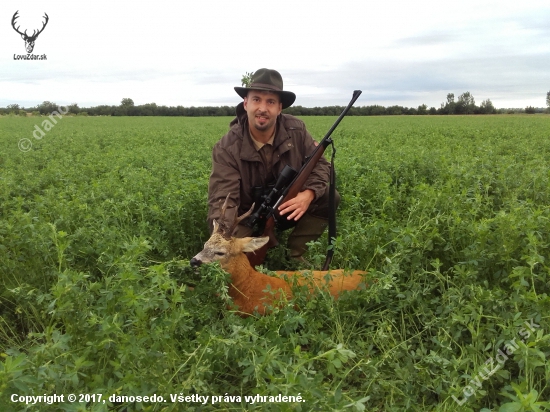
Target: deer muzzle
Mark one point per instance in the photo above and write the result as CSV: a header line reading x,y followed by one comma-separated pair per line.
x,y
195,263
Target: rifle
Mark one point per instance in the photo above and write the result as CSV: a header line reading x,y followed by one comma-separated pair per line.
x,y
267,213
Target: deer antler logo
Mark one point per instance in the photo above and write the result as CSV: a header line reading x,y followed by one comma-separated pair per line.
x,y
29,40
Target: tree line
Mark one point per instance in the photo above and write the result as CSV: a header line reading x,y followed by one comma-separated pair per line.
x,y
464,104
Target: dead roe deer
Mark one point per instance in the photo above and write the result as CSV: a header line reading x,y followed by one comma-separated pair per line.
x,y
248,287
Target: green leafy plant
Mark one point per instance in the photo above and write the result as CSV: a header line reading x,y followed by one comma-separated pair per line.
x,y
449,215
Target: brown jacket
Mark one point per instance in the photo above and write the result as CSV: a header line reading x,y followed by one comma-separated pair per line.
x,y
237,166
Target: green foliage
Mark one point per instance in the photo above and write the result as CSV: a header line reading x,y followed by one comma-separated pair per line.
x,y
247,79
449,215
127,102
464,105
487,107
47,107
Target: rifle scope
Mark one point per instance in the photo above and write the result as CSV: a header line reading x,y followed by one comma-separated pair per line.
x,y
286,176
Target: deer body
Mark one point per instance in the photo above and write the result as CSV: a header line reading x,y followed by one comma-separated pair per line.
x,y
248,286
336,280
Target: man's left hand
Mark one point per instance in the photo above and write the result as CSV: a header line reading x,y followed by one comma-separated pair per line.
x,y
298,205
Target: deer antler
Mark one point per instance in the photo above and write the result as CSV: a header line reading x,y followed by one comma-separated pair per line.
x,y
242,217
223,228
43,25
227,230
34,34
224,207
15,16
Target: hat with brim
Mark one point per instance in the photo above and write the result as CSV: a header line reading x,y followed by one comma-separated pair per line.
x,y
270,81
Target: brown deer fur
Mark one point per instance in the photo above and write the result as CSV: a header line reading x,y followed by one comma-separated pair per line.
x,y
248,287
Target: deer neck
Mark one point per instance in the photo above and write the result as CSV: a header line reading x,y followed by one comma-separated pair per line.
x,y
240,270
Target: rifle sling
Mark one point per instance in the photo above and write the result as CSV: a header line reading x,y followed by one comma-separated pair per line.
x,y
331,211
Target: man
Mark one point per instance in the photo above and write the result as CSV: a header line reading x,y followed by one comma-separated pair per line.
x,y
260,143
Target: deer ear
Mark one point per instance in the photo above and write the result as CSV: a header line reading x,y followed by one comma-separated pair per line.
x,y
216,226
250,244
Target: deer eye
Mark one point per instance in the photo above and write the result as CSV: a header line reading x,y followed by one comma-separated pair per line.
x,y
219,253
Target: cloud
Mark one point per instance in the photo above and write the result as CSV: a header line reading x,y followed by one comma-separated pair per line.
x,y
429,39
408,82
175,53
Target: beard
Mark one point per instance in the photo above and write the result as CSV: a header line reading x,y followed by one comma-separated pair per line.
x,y
263,122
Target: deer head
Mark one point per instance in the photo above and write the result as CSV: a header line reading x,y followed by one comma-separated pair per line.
x,y
29,40
222,246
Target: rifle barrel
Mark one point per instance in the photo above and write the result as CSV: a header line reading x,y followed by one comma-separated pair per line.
x,y
323,144
356,94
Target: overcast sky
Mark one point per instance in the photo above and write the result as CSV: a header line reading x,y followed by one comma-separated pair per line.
x,y
193,53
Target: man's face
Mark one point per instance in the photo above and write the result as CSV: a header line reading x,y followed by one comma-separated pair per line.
x,y
262,108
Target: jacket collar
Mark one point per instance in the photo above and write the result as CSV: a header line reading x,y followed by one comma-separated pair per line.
x,y
240,115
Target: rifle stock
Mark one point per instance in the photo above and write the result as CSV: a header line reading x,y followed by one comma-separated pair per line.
x,y
257,258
